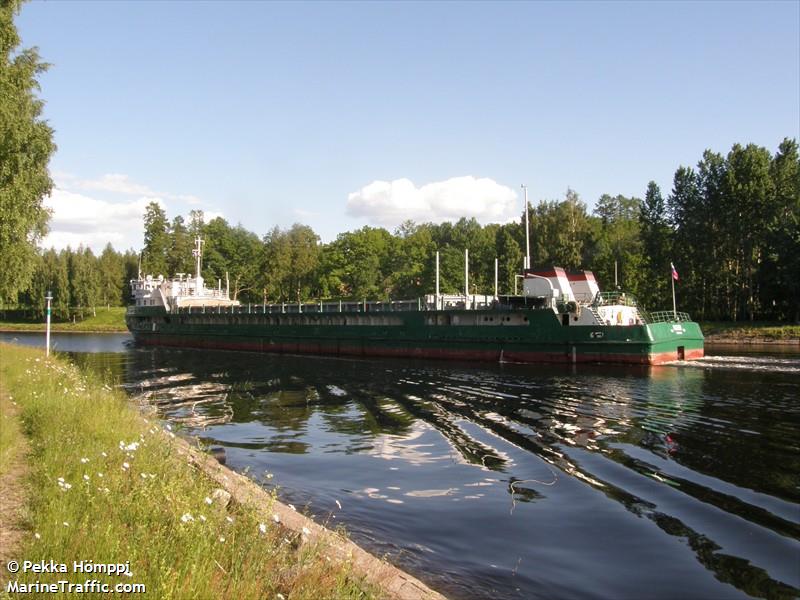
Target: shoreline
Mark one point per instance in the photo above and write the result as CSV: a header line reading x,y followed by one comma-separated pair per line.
x,y
6,329
750,341
237,521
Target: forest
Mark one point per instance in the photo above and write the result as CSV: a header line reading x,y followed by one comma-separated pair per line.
x,y
730,225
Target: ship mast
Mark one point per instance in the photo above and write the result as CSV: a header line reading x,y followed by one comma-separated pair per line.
x,y
527,260
198,253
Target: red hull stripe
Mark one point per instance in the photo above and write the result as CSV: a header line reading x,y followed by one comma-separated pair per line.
x,y
434,353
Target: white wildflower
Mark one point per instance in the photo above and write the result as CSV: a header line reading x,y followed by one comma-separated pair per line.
x,y
84,460
125,466
262,528
221,539
339,504
269,476
229,519
86,478
306,530
104,455
280,597
66,524
209,501
203,518
99,474
187,517
276,518
143,475
37,536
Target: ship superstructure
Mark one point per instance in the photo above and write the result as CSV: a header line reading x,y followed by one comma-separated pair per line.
x,y
182,291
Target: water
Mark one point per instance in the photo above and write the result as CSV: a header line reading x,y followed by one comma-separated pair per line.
x,y
507,480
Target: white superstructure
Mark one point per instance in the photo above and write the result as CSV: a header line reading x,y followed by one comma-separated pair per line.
x,y
183,290
579,299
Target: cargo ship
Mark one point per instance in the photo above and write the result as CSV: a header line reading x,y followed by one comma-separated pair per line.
x,y
557,317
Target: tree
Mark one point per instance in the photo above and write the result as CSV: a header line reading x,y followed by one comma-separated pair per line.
x,y
232,255
750,190
358,263
561,233
130,271
510,255
179,256
84,278
288,269
411,262
156,241
110,277
617,242
26,144
655,234
780,273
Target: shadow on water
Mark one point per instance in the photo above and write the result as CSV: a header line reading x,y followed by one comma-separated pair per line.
x,y
511,480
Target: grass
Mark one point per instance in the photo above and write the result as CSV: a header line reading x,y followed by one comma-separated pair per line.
x,y
734,331
10,433
109,486
107,320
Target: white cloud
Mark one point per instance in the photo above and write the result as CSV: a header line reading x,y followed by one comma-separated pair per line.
x,y
210,215
117,183
78,219
389,203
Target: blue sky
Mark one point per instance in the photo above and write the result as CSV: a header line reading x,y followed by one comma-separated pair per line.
x,y
339,115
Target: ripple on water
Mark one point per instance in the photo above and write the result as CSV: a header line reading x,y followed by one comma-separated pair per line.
x,y
507,480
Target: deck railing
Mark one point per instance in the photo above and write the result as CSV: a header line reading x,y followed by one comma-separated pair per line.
x,y
666,316
614,298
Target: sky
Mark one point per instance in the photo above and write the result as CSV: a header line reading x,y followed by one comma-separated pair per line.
x,y
344,114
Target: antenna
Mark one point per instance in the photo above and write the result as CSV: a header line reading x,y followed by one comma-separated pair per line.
x,y
198,253
527,261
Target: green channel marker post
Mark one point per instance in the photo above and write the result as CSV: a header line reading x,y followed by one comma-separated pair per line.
x,y
49,297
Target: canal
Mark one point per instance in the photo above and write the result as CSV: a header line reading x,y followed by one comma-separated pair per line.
x,y
503,480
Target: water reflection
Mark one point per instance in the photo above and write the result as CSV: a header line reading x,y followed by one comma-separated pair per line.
x,y
509,480
434,462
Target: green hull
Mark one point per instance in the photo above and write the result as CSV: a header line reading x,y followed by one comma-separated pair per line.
x,y
488,335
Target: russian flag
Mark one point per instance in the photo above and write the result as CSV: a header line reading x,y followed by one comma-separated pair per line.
x,y
674,272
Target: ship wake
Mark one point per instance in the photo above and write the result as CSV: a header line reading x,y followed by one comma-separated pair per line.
x,y
769,364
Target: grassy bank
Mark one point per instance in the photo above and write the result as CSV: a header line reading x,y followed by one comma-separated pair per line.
x,y
108,485
721,331
106,320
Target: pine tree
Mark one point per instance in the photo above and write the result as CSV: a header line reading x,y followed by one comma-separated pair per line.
x,y
156,241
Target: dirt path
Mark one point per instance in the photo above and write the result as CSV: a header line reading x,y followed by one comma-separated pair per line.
x,y
13,489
